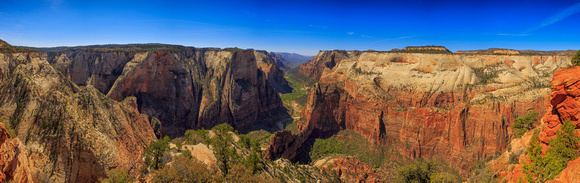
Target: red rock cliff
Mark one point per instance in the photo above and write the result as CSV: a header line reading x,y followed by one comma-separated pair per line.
x,y
427,105
14,165
564,105
73,134
184,87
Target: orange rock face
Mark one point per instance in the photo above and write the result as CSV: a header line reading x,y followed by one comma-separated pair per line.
x,y
563,102
14,165
564,105
387,98
189,88
351,169
322,61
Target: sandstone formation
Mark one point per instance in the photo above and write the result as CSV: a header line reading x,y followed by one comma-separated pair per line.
x,y
350,169
182,87
563,105
70,133
426,105
275,75
14,164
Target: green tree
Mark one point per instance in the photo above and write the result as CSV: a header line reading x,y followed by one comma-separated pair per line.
x,y
155,151
197,136
417,172
523,124
576,59
222,143
535,171
563,148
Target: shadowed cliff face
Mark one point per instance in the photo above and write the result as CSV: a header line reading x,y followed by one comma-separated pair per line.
x,y
186,88
454,107
99,69
71,134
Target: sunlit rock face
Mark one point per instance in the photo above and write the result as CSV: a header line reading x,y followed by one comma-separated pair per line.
x,y
455,107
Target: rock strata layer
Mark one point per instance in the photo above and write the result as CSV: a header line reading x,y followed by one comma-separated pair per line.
x,y
563,105
70,133
184,87
455,107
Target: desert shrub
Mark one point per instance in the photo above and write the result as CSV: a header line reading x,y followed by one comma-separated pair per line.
x,y
8,127
186,153
481,173
155,152
443,177
117,176
513,159
187,170
523,124
327,146
197,136
426,171
245,141
576,59
417,172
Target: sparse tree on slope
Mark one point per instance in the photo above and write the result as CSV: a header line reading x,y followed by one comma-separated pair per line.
x,y
155,151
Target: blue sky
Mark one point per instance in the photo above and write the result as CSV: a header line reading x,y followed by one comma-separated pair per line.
x,y
303,27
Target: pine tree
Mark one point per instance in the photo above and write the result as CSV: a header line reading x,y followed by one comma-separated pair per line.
x,y
155,151
222,146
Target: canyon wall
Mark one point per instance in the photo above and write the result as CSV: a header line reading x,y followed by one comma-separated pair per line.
x,y
185,87
563,105
70,133
79,112
455,107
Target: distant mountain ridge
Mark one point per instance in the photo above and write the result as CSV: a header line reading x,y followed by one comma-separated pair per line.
x,y
286,60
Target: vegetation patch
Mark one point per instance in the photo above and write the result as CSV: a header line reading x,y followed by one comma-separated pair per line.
x,y
301,87
563,148
427,171
8,127
523,124
488,73
576,59
350,143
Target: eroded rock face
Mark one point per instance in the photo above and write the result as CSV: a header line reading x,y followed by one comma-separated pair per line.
x,y
202,88
322,61
563,106
186,87
14,165
351,169
276,76
71,134
448,106
99,69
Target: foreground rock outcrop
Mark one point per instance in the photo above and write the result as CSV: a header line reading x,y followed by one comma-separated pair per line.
x,y
563,105
70,133
455,107
13,159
